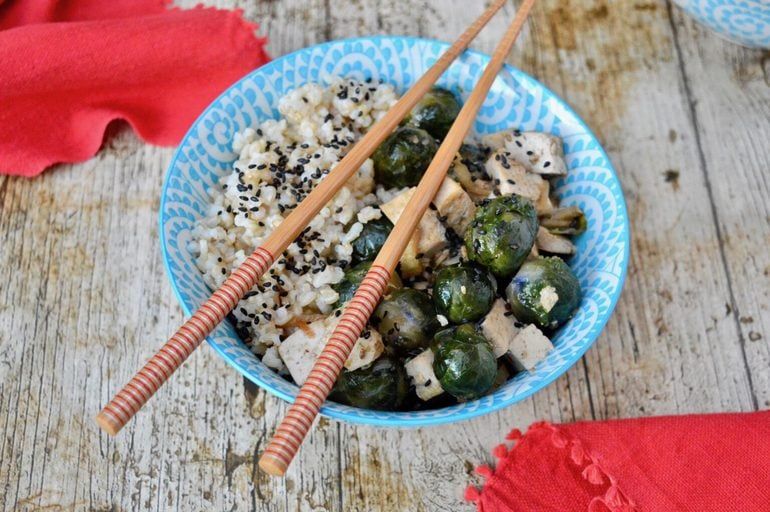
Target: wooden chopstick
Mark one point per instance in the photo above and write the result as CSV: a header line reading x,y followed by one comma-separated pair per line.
x,y
178,348
292,430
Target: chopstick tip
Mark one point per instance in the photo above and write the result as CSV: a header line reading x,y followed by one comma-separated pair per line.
x,y
107,424
272,465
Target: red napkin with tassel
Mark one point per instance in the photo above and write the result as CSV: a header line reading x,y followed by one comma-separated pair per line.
x,y
707,463
69,67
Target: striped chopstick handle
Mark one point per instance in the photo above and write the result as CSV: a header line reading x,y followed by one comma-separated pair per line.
x,y
293,428
179,347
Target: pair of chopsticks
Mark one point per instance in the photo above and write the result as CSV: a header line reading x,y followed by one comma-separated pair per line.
x,y
298,420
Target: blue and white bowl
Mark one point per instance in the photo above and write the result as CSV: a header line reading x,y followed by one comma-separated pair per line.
x,y
516,100
745,22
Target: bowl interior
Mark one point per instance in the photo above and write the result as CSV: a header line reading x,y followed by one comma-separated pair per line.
x,y
516,100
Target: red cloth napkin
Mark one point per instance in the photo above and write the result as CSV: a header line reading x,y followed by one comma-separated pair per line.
x,y
718,463
69,67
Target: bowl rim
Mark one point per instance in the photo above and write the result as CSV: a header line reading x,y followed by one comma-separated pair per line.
x,y
395,421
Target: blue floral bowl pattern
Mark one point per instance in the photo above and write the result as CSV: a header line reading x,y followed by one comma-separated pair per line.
x,y
745,22
516,100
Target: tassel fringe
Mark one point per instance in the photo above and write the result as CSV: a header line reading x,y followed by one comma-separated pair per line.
x,y
612,500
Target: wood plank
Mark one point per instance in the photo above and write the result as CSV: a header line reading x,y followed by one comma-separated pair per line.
x,y
730,108
81,268
668,348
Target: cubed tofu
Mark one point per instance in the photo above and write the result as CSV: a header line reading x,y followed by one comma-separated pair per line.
x,y
427,240
529,347
301,349
541,153
366,350
454,203
420,371
499,327
511,177
553,244
544,203
476,187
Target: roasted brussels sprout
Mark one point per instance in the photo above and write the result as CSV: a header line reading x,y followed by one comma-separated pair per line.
x,y
406,320
382,385
463,293
502,234
353,277
564,221
464,362
402,159
371,239
544,292
435,112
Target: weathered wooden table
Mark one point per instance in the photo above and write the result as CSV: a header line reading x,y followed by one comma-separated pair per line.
x,y
84,299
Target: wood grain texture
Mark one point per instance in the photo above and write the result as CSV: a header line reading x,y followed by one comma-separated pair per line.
x,y
84,299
